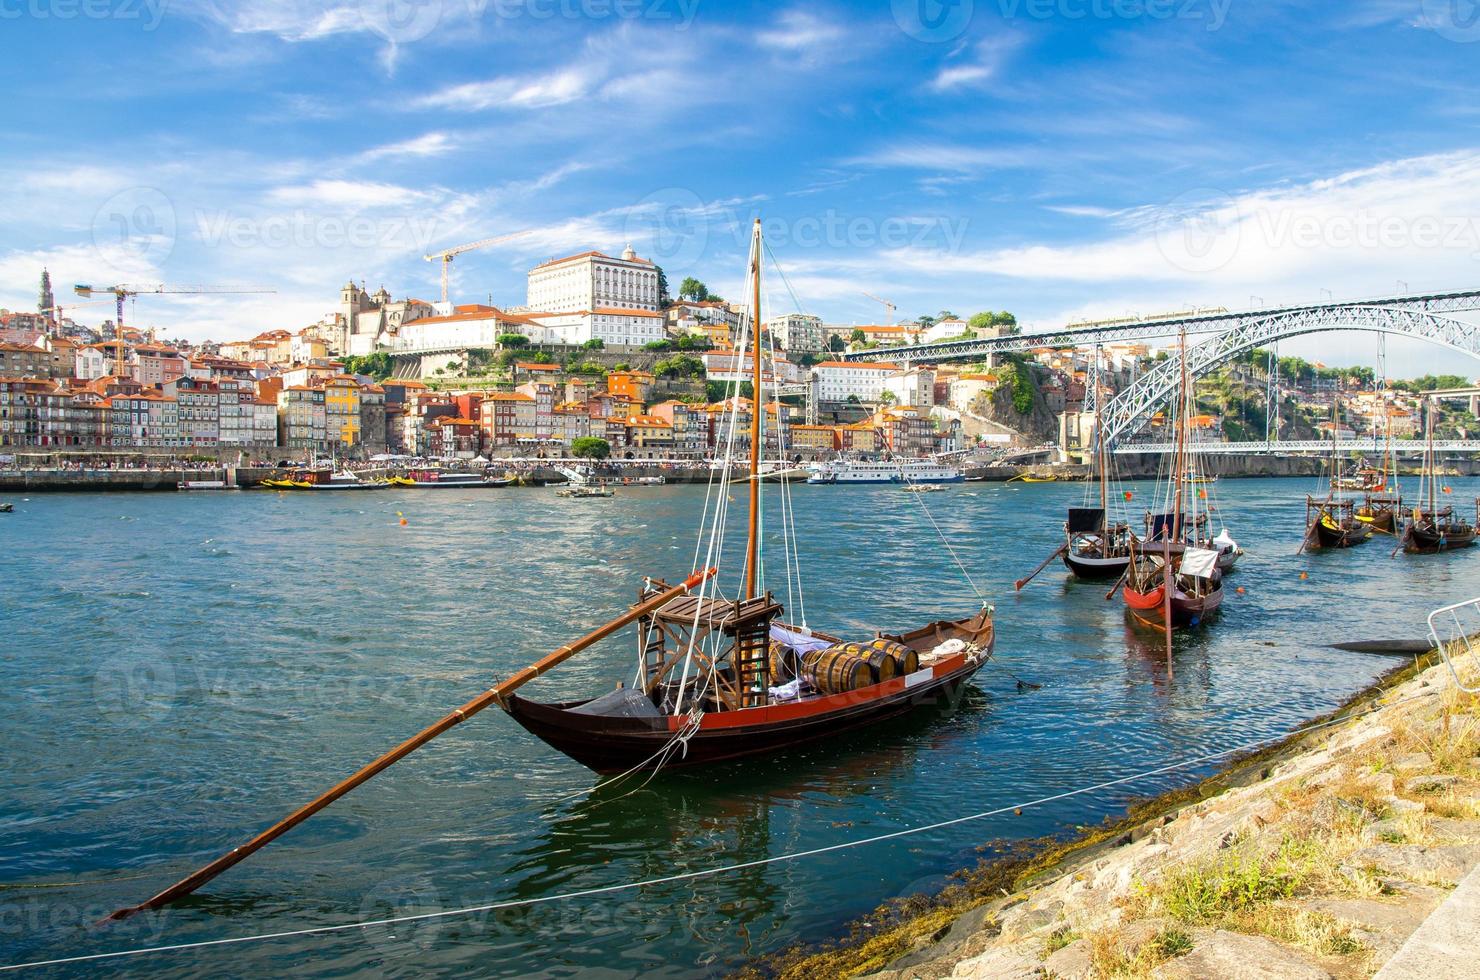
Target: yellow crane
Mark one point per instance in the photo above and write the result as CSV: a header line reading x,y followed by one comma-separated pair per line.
x,y
125,291
889,307
447,255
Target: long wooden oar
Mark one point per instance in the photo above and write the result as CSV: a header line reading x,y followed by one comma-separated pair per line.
x,y
1120,581
1018,585
493,695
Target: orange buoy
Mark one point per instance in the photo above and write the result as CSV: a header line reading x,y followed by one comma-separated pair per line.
x,y
403,522
1303,576
1239,590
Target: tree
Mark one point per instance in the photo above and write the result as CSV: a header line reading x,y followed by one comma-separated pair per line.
x,y
621,366
1007,323
693,289
926,321
513,340
664,300
858,336
595,343
836,344
945,315
590,447
887,398
679,366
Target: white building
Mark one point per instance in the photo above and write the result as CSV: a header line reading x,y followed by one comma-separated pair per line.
x,y
839,380
91,363
613,327
472,325
592,281
944,330
912,386
730,366
798,332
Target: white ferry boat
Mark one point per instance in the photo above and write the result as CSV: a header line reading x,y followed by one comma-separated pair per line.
x,y
884,471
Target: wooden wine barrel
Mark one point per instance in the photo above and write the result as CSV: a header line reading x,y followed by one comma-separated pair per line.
x,y
836,670
785,664
904,659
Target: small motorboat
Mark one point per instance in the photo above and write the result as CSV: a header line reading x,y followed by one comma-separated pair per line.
x,y
585,491
6,508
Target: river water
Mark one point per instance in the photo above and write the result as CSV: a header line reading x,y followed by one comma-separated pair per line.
x,y
181,670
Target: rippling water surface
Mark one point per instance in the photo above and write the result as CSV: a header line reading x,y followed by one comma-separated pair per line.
x,y
178,671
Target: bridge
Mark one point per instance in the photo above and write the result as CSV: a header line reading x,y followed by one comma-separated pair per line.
x,y
1293,447
1197,324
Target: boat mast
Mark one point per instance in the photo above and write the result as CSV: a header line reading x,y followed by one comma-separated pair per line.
x,y
757,412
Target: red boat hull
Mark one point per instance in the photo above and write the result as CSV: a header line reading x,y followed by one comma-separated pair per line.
x,y
617,743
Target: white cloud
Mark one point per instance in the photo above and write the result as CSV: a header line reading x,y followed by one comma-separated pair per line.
x,y
351,194
427,145
981,63
919,155
798,30
516,92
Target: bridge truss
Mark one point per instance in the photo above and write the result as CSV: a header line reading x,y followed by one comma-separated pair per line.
x,y
1127,411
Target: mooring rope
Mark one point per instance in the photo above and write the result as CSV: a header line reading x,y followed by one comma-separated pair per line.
x,y
725,869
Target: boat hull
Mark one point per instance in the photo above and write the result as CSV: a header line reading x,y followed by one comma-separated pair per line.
x,y
1379,520
1429,540
1094,567
1327,536
614,744
620,742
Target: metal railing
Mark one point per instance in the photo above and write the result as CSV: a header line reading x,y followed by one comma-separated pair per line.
x,y
1458,634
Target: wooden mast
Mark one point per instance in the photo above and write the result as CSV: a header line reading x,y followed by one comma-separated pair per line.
x,y
493,695
757,413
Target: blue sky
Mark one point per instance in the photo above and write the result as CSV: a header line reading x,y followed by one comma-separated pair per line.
x,y
1059,158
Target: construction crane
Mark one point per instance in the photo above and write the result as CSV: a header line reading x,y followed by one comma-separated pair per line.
x,y
447,255
888,306
55,313
125,291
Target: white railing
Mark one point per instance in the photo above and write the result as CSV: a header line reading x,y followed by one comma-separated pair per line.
x,y
1463,626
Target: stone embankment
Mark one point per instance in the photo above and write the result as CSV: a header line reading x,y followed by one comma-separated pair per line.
x,y
1335,855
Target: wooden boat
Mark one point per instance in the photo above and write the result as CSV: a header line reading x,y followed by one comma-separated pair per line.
x,y
322,479
716,668
1331,521
1432,529
434,479
1038,479
585,490
1167,586
703,691
1194,597
1331,524
1382,499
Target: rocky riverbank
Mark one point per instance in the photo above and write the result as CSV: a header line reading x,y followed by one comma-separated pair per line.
x,y
1316,858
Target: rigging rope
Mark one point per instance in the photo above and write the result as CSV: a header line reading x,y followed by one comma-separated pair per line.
x,y
724,869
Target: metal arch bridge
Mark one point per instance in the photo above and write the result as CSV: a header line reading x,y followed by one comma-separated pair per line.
x,y
1402,447
1128,410
1151,329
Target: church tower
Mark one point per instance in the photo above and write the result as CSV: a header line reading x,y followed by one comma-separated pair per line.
x,y
45,304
